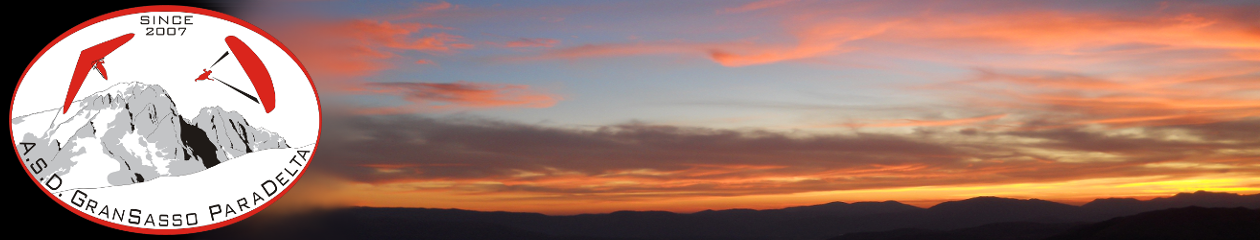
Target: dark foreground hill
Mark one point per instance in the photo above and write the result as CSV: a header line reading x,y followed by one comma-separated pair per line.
x,y
996,231
1189,223
1178,223
969,218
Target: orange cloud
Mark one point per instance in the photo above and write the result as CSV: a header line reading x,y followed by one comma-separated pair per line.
x,y
443,5
1025,32
343,60
888,28
458,95
425,9
813,40
1073,99
1037,32
928,123
356,48
341,53
636,162
397,36
532,42
753,6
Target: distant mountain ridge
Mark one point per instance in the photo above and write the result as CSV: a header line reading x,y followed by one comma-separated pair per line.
x,y
1130,206
806,222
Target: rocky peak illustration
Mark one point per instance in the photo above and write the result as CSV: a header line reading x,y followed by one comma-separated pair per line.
x,y
136,127
232,134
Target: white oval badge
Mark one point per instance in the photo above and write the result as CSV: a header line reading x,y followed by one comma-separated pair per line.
x,y
165,119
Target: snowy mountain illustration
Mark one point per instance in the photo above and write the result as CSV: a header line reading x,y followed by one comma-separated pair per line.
x,y
131,133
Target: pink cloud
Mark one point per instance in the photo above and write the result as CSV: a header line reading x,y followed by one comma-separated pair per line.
x,y
814,31
341,53
355,48
458,95
815,41
398,36
753,6
425,9
1209,95
443,5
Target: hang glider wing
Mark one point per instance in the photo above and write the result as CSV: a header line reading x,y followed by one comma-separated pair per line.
x,y
88,59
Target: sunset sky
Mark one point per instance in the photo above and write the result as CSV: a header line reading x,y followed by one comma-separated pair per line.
x,y
566,107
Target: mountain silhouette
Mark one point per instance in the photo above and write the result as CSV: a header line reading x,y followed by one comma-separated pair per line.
x,y
1102,208
1178,223
857,208
982,210
975,218
1197,223
349,224
995,231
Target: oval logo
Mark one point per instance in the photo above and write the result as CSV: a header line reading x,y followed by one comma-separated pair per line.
x,y
165,120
